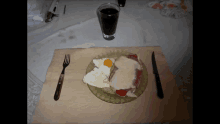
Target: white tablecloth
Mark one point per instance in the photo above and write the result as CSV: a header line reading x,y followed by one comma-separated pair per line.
x,y
138,25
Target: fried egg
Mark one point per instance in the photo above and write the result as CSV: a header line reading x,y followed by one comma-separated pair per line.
x,y
104,65
96,78
100,74
104,61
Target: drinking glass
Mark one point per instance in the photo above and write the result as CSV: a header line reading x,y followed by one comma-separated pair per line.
x,y
108,14
121,3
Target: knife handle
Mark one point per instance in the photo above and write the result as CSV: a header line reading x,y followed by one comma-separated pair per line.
x,y
59,87
159,87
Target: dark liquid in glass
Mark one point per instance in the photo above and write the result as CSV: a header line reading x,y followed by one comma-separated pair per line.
x,y
121,3
109,19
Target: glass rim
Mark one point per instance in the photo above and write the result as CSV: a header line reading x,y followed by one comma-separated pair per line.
x,y
109,4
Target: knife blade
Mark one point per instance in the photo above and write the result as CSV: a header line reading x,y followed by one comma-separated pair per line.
x,y
54,9
64,9
157,78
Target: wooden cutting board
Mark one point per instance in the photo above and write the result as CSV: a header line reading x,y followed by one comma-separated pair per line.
x,y
78,105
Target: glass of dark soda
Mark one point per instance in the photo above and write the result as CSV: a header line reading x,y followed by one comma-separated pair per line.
x,y
121,3
108,14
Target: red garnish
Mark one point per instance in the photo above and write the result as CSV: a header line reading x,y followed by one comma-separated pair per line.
x,y
157,5
139,73
133,56
171,6
121,92
160,7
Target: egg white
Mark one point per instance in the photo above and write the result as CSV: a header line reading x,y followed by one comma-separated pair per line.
x,y
99,74
99,62
96,78
105,70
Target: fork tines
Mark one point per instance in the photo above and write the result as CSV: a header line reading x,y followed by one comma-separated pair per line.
x,y
67,59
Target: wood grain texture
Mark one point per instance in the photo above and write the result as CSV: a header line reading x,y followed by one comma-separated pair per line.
x,y
78,105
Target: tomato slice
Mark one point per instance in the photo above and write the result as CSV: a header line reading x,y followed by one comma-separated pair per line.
x,y
121,92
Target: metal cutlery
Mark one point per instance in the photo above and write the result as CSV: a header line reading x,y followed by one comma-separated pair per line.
x,y
51,12
64,9
158,83
60,81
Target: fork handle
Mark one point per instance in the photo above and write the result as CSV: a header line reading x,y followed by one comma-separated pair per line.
x,y
59,87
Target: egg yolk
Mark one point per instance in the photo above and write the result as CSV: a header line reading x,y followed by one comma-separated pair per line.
x,y
108,63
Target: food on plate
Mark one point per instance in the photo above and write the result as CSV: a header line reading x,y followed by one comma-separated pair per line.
x,y
157,6
99,76
123,79
126,78
125,75
137,80
104,65
130,94
127,63
104,61
96,78
171,5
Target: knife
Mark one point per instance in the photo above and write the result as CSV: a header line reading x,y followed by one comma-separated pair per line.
x,y
158,83
64,9
54,9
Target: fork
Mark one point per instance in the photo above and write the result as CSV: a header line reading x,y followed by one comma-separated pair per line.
x,y
60,81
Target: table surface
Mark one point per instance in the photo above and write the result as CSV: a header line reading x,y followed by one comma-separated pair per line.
x,y
138,25
78,105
